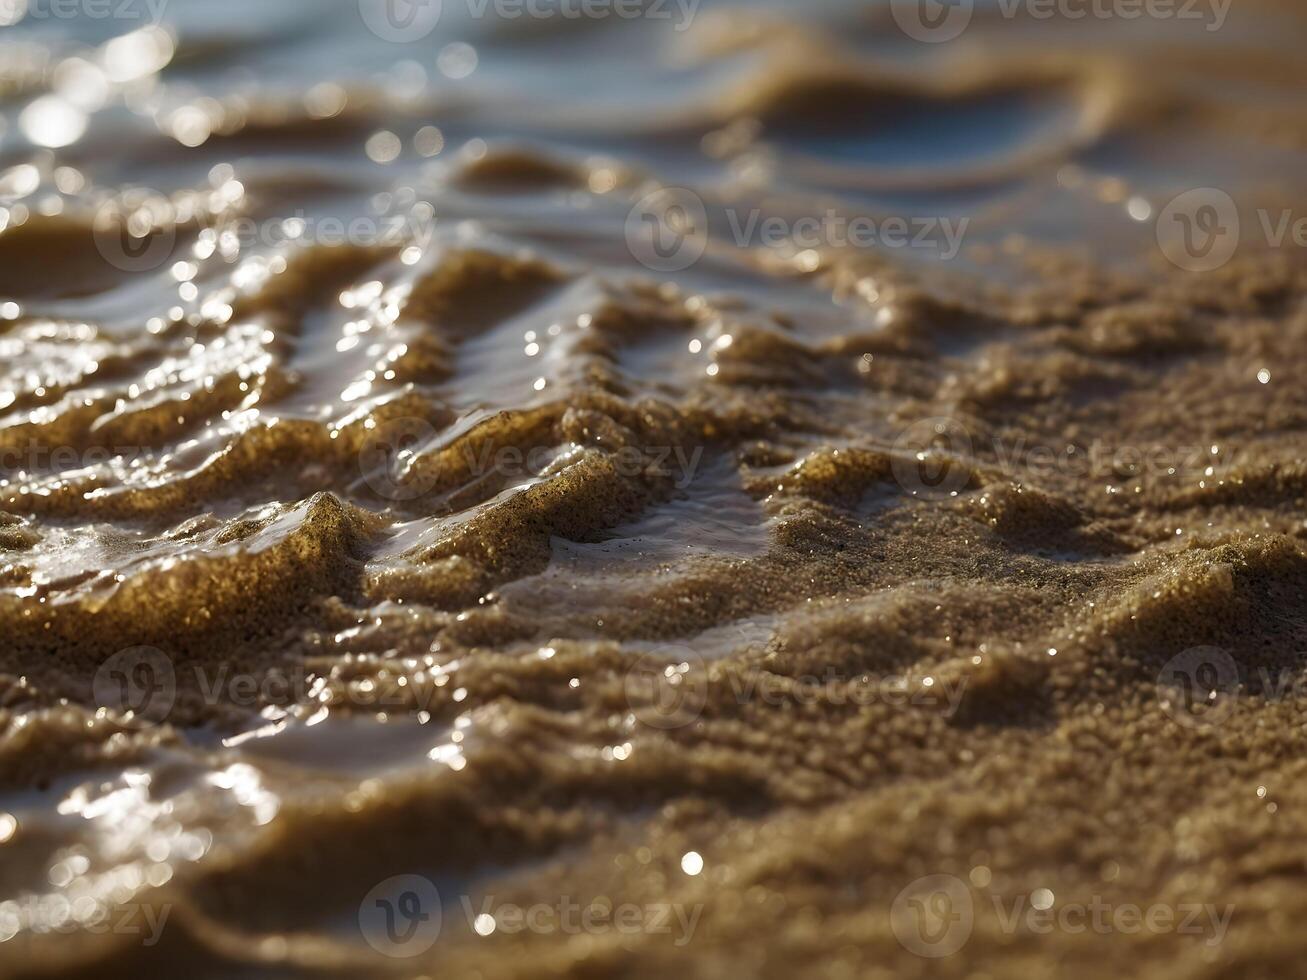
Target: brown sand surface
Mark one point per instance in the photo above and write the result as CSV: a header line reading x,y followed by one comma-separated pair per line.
x,y
411,565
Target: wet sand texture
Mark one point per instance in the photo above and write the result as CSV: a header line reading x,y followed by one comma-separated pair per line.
x,y
808,608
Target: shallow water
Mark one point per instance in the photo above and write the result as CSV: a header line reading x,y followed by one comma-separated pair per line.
x,y
715,471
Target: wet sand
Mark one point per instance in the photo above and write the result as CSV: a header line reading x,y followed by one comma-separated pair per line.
x,y
752,493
